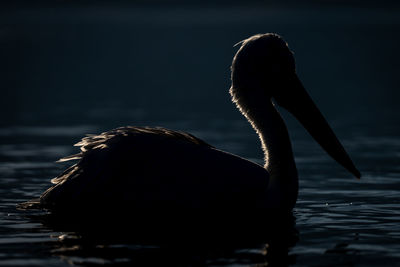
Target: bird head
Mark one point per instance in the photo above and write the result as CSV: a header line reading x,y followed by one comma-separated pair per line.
x,y
261,66
264,69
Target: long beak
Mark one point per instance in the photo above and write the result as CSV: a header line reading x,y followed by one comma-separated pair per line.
x,y
300,104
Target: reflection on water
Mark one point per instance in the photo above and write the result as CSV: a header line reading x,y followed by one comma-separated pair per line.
x,y
193,244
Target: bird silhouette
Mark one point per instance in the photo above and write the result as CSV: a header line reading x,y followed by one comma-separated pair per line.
x,y
143,169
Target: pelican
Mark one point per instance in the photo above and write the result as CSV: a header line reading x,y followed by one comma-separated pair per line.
x,y
160,170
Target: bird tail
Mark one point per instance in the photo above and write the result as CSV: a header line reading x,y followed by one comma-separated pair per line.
x,y
30,205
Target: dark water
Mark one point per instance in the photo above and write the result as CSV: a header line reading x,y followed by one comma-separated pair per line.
x,y
68,72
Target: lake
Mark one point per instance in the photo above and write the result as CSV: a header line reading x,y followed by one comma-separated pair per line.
x,y
72,70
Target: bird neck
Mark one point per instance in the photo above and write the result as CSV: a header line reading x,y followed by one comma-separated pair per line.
x,y
275,141
283,181
278,155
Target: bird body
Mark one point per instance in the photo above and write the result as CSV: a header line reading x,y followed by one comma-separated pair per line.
x,y
118,168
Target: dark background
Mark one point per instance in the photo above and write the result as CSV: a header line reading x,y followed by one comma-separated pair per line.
x,y
67,62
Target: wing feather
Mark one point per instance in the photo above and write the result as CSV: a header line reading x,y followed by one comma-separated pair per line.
x,y
103,155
